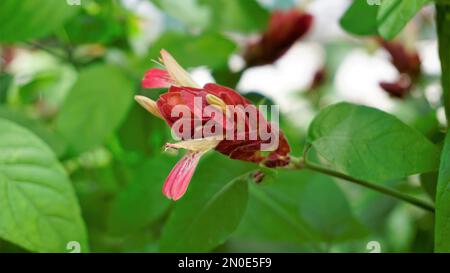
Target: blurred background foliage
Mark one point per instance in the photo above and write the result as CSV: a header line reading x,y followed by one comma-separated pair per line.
x,y
67,81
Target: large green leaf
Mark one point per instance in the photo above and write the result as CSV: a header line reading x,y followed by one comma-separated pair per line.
x,y
52,139
39,210
141,133
237,15
442,224
104,24
211,209
95,107
361,18
369,144
93,29
372,208
29,19
189,12
290,208
273,214
191,51
395,14
222,15
142,201
333,219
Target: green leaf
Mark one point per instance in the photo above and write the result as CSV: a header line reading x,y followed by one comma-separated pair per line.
x,y
369,144
192,51
142,134
211,209
219,15
442,218
90,29
30,19
236,15
97,22
52,139
394,15
189,12
273,212
372,208
39,210
95,107
361,18
5,81
428,181
291,209
332,219
142,201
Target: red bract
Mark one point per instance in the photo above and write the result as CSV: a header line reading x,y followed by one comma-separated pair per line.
x,y
398,89
408,64
183,91
284,29
318,79
406,61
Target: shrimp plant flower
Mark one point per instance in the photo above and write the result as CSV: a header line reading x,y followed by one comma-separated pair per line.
x,y
233,131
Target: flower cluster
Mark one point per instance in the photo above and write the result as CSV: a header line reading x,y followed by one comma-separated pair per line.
x,y
184,92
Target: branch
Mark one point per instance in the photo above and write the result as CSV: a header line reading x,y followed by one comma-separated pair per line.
x,y
443,31
301,163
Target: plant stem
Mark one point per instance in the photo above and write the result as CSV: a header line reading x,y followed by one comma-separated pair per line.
x,y
443,31
302,164
67,57
46,49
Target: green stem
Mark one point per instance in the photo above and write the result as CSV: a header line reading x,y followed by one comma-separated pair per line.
x,y
443,30
46,49
303,164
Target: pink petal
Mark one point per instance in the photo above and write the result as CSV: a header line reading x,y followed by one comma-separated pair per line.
x,y
178,180
156,78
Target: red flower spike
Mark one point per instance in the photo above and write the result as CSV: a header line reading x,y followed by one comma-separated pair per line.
x,y
183,91
407,63
284,29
